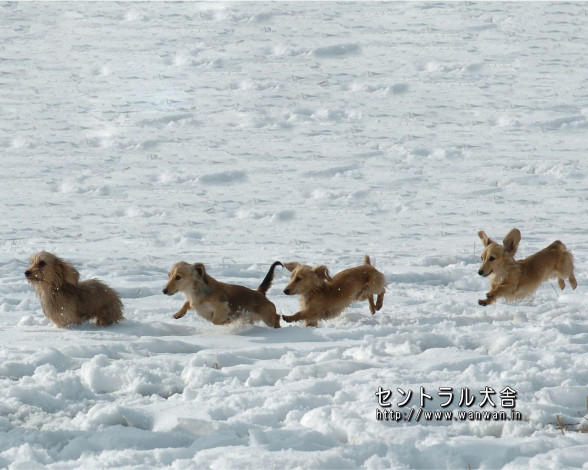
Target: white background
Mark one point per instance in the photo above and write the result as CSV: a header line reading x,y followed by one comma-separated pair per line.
x,y
136,135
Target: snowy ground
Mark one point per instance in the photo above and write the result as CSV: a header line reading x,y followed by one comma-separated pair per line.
x,y
135,135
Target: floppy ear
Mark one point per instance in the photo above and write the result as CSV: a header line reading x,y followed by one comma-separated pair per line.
x,y
291,266
485,239
199,269
511,241
70,274
322,271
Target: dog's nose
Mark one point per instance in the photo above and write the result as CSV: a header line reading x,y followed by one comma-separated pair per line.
x,y
480,272
165,291
28,273
287,291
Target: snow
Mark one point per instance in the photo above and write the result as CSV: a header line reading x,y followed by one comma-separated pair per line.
x,y
136,135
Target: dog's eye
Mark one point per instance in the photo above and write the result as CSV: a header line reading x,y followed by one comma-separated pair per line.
x,y
178,278
42,264
297,279
491,258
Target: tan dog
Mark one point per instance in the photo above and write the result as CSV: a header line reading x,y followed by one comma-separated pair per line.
x,y
218,302
322,296
67,301
518,279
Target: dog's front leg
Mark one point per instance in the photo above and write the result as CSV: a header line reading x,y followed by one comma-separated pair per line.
x,y
501,290
222,315
181,312
310,319
488,300
493,294
292,318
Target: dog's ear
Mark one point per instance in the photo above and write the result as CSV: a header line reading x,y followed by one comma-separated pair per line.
x,y
291,266
511,241
70,274
323,272
199,269
485,239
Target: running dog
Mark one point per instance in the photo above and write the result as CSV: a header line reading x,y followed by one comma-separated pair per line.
x,y
515,280
322,296
66,300
218,302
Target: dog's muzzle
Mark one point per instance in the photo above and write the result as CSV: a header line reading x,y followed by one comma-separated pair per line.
x,y
287,291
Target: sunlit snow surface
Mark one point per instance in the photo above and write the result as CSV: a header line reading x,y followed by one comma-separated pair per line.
x,y
136,135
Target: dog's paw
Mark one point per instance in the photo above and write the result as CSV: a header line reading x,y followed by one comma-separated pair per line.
x,y
178,315
487,301
287,318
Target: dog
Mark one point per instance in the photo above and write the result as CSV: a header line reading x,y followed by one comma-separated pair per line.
x,y
218,302
515,280
323,297
65,299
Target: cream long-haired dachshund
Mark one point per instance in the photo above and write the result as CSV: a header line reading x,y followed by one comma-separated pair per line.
x,y
65,299
218,302
322,296
514,280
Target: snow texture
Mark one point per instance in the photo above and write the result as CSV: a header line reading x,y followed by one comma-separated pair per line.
x,y
136,135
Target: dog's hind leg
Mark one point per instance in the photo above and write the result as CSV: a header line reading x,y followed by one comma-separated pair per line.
x,y
270,317
565,268
111,313
571,278
113,316
372,304
276,323
573,281
379,302
102,322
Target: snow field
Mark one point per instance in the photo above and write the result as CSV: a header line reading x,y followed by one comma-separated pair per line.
x,y
235,134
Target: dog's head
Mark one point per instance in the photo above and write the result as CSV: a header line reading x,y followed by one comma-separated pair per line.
x,y
47,269
495,256
184,276
305,279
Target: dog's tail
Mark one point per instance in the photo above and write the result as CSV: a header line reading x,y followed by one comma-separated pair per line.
x,y
269,277
366,260
559,246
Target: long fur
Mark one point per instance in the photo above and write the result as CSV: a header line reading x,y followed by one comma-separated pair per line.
x,y
322,297
514,280
66,300
218,302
